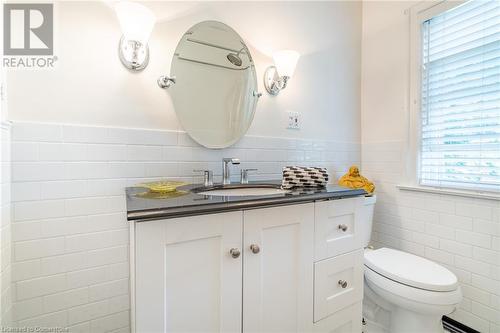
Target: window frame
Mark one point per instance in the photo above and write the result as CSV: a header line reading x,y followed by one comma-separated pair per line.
x,y
420,13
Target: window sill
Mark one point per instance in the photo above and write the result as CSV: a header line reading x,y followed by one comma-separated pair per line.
x,y
459,193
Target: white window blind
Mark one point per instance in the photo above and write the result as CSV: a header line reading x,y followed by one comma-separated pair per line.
x,y
460,138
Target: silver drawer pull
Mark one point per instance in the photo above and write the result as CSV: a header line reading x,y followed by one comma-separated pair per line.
x,y
235,252
343,284
343,227
255,248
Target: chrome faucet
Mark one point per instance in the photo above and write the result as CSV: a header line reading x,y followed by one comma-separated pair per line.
x,y
226,174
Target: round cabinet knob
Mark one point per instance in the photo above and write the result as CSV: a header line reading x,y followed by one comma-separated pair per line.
x,y
343,284
343,227
234,252
255,248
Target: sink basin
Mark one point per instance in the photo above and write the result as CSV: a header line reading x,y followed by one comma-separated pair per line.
x,y
240,190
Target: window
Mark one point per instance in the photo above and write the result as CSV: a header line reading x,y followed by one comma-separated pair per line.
x,y
460,98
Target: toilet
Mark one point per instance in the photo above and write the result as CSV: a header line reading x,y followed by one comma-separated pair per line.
x,y
403,292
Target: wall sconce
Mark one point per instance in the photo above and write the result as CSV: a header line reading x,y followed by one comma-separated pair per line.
x,y
136,22
276,77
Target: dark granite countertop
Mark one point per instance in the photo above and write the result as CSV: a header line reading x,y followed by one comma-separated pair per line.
x,y
191,203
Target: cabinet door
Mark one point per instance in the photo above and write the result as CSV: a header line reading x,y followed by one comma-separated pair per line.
x,y
278,279
186,279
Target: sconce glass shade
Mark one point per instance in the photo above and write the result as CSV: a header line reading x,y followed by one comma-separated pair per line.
x,y
136,21
285,62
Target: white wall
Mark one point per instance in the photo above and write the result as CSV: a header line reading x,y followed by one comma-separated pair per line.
x,y
69,227
90,85
461,233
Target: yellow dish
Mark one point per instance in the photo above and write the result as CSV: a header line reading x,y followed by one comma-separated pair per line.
x,y
156,195
162,186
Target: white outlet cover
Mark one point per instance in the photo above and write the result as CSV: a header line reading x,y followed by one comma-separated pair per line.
x,y
293,120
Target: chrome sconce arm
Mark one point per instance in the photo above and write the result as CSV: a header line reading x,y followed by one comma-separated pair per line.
x,y
273,82
166,81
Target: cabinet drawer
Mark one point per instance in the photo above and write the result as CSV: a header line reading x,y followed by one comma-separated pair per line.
x,y
338,283
337,227
347,320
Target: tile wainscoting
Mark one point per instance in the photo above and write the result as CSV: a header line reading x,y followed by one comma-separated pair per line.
x,y
5,228
461,233
69,231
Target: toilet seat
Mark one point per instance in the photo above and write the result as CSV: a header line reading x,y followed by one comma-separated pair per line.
x,y
410,297
410,270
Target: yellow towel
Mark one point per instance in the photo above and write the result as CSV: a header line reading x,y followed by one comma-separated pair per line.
x,y
353,179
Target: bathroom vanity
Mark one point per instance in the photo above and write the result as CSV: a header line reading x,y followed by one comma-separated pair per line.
x,y
289,262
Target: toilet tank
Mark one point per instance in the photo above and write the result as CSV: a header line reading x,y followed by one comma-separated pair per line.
x,y
367,219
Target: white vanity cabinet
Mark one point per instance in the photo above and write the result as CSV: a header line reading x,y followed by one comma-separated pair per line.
x,y
256,270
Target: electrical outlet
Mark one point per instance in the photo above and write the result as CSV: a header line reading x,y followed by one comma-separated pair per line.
x,y
293,120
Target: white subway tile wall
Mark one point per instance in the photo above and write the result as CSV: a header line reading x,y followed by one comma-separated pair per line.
x,y
461,233
70,263
5,227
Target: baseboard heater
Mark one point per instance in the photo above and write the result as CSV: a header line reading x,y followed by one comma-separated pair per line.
x,y
456,327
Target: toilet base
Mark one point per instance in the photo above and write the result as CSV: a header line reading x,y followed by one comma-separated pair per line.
x,y
382,316
403,321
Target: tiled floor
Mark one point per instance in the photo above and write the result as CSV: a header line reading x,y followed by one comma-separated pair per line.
x,y
373,328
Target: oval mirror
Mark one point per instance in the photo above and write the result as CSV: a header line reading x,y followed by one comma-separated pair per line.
x,y
215,93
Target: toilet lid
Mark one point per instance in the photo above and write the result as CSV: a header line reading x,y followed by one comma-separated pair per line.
x,y
411,270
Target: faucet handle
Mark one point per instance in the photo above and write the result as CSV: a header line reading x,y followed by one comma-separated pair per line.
x,y
208,176
244,175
